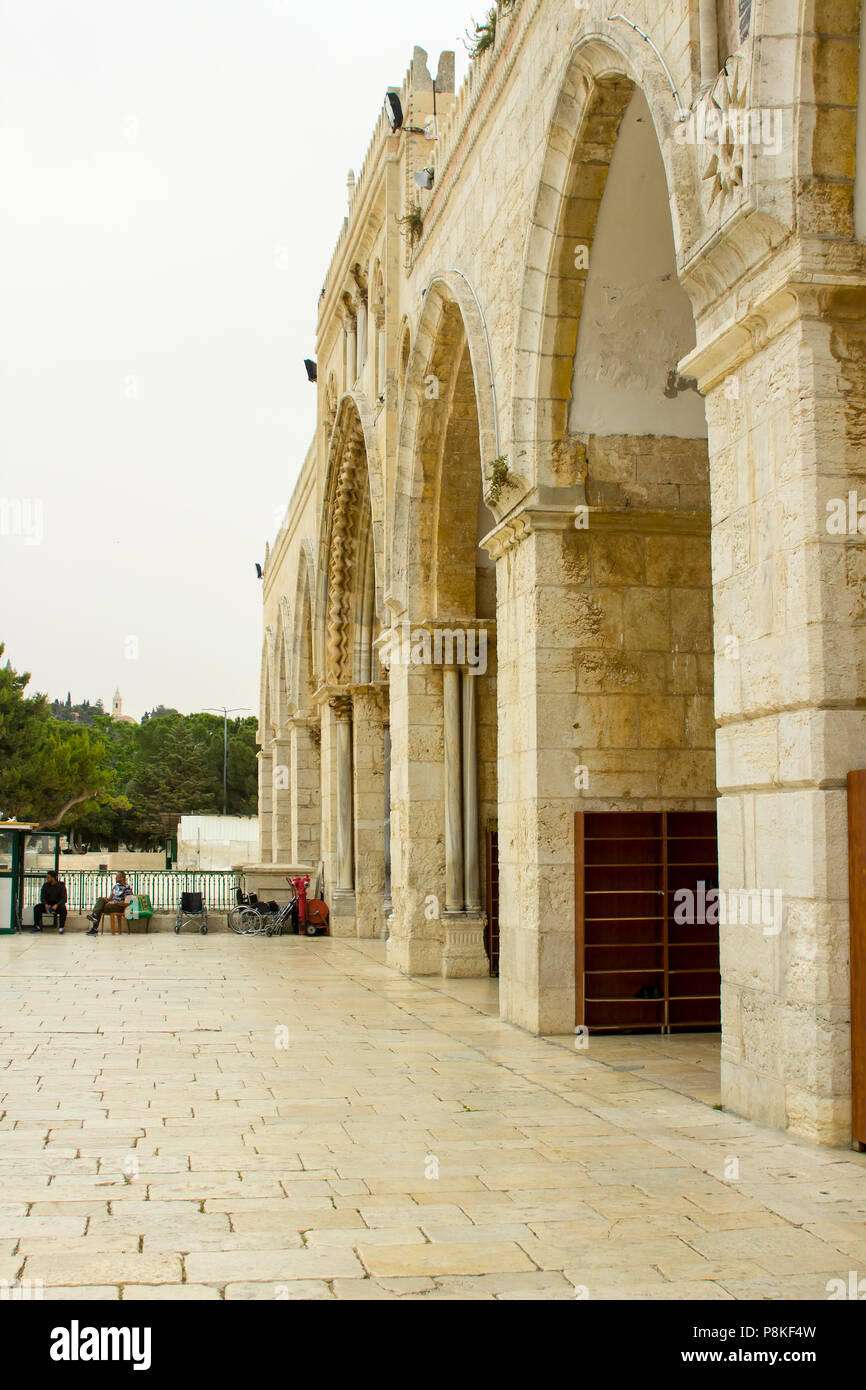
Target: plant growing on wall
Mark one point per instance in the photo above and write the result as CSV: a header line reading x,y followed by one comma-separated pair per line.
x,y
483,35
412,223
500,478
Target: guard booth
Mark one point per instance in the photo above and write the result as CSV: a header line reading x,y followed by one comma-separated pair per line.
x,y
21,848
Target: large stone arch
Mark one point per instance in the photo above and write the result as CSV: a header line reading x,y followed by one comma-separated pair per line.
x,y
450,309
267,681
282,663
304,668
352,506
442,691
599,77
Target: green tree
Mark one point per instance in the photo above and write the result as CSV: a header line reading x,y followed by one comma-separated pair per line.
x,y
50,772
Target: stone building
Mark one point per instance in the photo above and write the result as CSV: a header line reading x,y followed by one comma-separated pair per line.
x,y
561,541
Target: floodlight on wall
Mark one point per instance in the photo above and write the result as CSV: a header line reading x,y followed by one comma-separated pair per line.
x,y
312,370
424,178
394,110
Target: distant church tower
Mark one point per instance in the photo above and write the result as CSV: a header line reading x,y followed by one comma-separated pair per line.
x,y
117,710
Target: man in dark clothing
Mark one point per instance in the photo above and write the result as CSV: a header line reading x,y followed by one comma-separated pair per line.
x,y
51,899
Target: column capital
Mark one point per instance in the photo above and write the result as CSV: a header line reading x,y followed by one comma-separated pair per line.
x,y
302,721
545,509
342,707
727,345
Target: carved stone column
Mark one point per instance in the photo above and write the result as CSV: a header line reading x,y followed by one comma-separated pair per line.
x,y
463,951
351,331
345,886
453,791
471,870
381,353
362,336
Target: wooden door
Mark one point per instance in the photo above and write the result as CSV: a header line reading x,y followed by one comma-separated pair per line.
x,y
857,891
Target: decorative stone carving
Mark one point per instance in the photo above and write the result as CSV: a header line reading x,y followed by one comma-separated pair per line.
x,y
724,123
343,554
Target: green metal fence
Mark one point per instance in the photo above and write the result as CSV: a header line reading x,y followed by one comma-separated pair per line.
x,y
162,886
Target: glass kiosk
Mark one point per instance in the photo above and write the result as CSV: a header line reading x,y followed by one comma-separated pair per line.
x,y
21,847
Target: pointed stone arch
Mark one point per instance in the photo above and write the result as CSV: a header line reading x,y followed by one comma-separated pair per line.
x,y
599,79
305,670
282,662
353,508
267,702
451,340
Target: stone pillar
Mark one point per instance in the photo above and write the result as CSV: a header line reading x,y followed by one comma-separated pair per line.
x,y
369,793
417,813
265,805
281,801
387,905
351,353
453,791
463,951
362,336
306,791
345,885
786,401
538,626
381,354
471,871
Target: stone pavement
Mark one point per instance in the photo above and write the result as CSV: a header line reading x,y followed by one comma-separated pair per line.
x,y
215,1117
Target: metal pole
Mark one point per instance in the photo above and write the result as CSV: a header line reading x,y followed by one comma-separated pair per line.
x,y
225,761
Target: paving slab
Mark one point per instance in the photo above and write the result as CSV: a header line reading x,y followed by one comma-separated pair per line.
x,y
156,1144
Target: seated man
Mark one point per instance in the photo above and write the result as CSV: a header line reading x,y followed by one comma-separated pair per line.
x,y
51,899
120,893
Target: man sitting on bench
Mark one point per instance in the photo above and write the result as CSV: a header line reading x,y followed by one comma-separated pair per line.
x,y
120,893
51,899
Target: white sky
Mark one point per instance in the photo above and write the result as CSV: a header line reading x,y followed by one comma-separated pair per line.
x,y
156,157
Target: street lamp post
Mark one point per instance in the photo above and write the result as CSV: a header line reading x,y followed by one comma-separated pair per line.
x,y
221,709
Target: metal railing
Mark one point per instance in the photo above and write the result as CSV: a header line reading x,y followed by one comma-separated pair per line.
x,y
162,886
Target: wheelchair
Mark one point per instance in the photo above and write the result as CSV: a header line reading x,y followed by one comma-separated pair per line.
x,y
252,917
192,908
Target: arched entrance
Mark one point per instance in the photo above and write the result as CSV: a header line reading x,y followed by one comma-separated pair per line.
x,y
604,584
353,694
441,647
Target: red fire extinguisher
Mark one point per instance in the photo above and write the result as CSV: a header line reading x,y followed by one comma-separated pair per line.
x,y
312,915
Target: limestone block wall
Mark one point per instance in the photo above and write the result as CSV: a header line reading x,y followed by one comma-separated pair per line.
x,y
368,732
536,626
643,655
417,818
790,651
306,791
